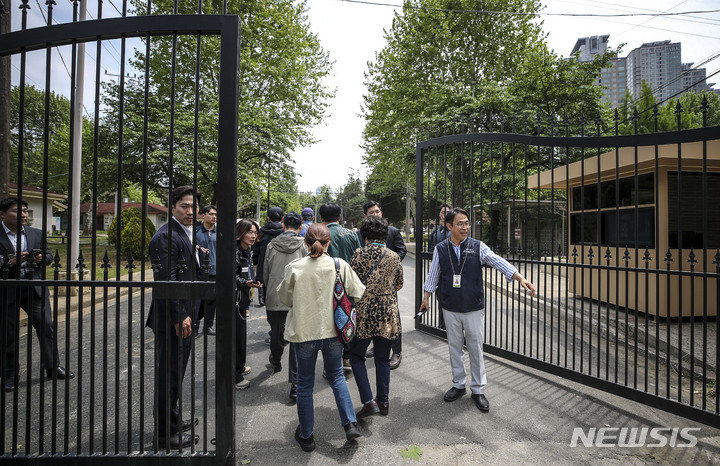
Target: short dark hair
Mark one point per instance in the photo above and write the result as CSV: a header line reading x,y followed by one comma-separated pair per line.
x,y
374,228
207,209
8,202
182,191
275,214
450,216
330,212
368,205
292,220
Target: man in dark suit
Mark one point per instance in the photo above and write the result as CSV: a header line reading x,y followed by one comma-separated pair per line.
x,y
175,258
34,300
395,243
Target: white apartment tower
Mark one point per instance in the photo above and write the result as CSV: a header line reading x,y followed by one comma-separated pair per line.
x,y
660,65
613,78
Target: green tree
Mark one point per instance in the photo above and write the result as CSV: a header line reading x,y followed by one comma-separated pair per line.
x,y
351,199
282,67
131,233
443,68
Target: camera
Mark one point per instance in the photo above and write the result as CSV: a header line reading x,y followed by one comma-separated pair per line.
x,y
35,251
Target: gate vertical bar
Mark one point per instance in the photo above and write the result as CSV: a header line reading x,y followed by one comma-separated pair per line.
x,y
227,177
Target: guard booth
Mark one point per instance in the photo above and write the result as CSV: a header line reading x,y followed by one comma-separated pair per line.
x,y
654,202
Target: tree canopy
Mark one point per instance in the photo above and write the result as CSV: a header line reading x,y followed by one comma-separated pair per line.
x,y
448,60
281,96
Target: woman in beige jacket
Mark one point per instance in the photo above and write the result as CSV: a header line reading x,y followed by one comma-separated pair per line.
x,y
307,289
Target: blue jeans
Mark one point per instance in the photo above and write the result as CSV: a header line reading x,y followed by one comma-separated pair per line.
x,y
306,354
382,346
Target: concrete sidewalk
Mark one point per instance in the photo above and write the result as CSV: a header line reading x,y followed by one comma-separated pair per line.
x,y
531,420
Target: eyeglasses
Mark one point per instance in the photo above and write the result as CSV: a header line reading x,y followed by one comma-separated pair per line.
x,y
252,232
463,224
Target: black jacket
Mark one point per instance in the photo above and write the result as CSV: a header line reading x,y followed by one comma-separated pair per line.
x,y
243,274
394,241
160,250
34,241
268,232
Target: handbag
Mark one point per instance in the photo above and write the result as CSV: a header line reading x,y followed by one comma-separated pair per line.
x,y
344,313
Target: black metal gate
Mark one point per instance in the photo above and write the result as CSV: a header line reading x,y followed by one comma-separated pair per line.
x,y
619,234
144,134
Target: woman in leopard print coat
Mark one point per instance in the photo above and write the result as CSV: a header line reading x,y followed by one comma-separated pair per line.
x,y
378,317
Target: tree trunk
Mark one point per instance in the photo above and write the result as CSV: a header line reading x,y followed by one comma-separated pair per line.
x,y
4,107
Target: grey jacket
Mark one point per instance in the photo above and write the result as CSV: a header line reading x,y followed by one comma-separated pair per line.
x,y
280,252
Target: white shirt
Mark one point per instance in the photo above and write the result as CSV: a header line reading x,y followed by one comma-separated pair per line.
x,y
189,233
13,238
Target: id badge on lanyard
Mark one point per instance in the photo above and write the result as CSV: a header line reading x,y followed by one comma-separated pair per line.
x,y
456,281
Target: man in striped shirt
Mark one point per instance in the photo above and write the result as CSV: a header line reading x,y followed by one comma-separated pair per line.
x,y
456,272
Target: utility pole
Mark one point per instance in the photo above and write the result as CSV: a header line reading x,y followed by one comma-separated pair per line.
x,y
407,211
4,108
74,226
257,208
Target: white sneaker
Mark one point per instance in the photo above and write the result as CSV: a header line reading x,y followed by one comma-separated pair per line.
x,y
247,370
243,384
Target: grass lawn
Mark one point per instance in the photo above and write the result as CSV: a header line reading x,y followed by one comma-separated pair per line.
x,y
86,246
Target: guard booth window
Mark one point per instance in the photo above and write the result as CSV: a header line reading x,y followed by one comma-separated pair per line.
x,y
686,213
607,216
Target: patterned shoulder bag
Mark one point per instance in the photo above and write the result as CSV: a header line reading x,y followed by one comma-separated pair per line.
x,y
344,312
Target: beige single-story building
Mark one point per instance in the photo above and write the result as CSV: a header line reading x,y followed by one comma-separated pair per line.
x,y
105,213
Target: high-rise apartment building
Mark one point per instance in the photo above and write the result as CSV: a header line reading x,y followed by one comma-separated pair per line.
x,y
694,79
613,78
657,63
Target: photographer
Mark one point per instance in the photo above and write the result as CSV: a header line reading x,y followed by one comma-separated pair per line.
x,y
32,299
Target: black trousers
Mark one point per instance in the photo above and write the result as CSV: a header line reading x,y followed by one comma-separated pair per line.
x,y
170,367
277,342
13,299
241,348
397,345
209,308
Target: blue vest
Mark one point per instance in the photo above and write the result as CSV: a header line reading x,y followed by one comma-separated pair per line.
x,y
470,296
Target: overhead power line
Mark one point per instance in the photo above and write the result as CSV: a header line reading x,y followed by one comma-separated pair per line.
x,y
492,12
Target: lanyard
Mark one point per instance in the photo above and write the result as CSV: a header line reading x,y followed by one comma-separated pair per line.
x,y
462,266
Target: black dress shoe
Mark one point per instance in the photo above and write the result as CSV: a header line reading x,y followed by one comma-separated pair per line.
x,y
395,361
481,402
189,423
384,407
61,373
10,384
293,392
351,431
176,440
210,330
368,409
453,394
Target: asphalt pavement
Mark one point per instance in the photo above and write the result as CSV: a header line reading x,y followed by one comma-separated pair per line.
x,y
532,417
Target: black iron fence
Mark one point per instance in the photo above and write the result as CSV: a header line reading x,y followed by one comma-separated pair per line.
x,y
89,304
618,233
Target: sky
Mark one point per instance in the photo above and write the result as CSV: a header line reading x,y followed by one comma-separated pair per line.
x,y
352,31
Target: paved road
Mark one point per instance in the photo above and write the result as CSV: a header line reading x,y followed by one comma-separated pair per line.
x,y
531,420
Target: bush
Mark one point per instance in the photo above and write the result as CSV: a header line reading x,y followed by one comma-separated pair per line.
x,y
131,234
